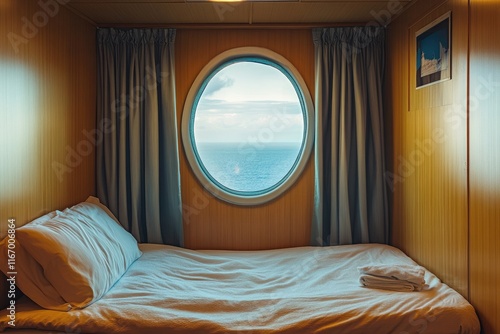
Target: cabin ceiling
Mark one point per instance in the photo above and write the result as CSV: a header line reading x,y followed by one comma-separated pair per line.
x,y
172,12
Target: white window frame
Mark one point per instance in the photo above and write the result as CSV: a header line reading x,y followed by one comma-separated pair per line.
x,y
235,197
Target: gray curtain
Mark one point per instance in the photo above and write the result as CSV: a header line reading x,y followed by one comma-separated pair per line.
x,y
137,162
350,202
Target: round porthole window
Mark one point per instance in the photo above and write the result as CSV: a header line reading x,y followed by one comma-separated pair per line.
x,y
247,126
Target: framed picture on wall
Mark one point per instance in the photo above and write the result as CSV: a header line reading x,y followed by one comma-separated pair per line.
x,y
434,52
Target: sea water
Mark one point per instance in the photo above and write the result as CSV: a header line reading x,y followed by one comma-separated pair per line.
x,y
247,167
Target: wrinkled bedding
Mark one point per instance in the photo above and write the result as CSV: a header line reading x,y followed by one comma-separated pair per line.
x,y
295,290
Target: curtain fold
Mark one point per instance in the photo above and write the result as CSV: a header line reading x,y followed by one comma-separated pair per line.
x,y
350,200
137,158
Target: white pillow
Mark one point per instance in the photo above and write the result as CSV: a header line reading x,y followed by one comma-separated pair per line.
x,y
82,252
95,200
30,277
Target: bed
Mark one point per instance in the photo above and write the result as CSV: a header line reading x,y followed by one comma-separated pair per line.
x,y
168,289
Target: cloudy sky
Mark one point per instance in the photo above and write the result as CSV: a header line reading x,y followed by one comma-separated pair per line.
x,y
246,102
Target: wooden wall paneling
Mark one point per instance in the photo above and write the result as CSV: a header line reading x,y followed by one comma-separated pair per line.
x,y
484,152
47,80
429,152
210,222
393,117
400,126
47,84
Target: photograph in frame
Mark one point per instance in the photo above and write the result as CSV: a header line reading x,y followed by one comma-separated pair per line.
x,y
433,59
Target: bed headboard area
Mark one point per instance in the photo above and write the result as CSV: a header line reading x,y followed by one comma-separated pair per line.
x,y
49,70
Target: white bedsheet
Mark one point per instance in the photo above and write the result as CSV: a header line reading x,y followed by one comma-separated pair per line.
x,y
296,290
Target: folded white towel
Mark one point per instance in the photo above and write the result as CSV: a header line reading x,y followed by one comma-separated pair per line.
x,y
412,274
393,277
393,284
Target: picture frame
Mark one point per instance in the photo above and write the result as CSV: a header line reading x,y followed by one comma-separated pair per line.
x,y
433,58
